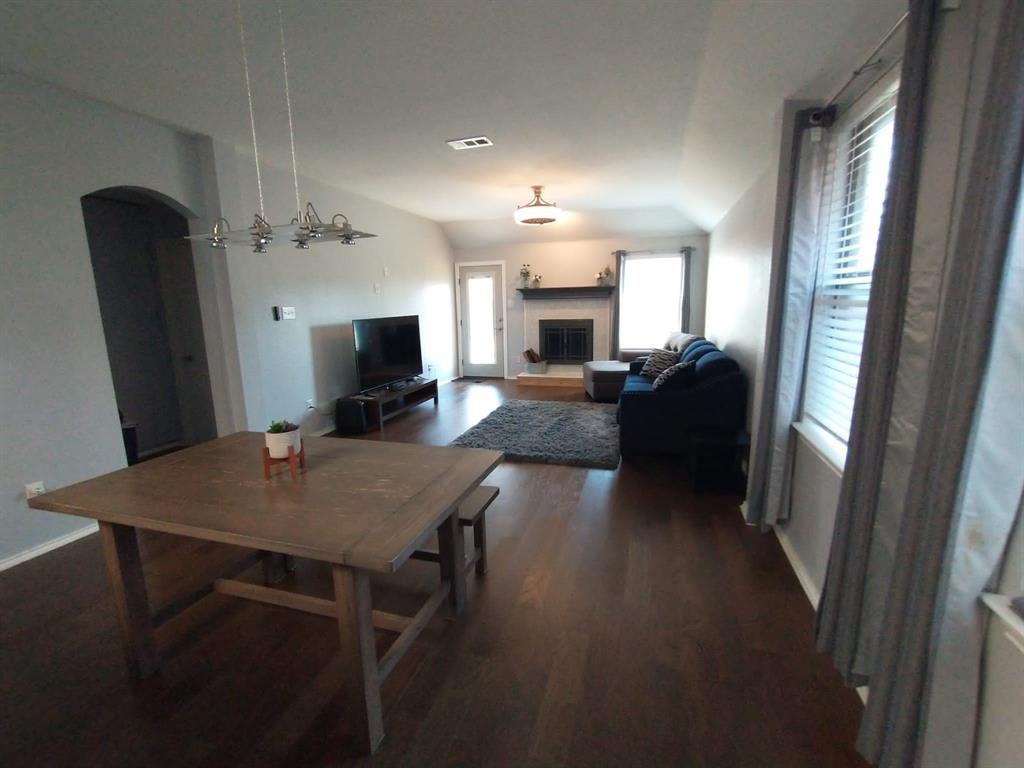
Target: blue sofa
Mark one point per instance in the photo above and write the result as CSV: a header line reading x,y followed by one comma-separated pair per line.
x,y
713,403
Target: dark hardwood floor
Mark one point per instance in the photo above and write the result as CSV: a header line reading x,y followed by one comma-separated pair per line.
x,y
625,621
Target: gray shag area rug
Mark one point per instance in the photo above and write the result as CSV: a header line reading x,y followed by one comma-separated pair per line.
x,y
546,432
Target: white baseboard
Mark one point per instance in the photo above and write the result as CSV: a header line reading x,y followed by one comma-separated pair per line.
x,y
48,546
813,593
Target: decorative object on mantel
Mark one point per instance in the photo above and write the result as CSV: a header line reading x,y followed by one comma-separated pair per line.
x,y
534,362
535,283
569,292
283,446
604,277
306,227
524,276
538,211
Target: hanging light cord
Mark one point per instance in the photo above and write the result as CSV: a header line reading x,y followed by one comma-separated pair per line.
x,y
252,114
288,101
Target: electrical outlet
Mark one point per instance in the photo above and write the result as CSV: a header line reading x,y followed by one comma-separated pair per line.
x,y
309,405
376,287
287,313
34,489
387,272
430,368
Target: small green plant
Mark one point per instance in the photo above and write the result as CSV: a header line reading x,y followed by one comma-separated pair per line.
x,y
524,272
277,427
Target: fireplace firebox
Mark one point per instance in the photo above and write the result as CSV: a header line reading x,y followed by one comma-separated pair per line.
x,y
567,341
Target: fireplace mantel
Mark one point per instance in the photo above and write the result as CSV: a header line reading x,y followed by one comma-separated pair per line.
x,y
582,292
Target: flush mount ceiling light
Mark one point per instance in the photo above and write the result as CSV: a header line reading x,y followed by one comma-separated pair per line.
x,y
538,211
306,228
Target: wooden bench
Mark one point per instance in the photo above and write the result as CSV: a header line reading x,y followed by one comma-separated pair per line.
x,y
471,513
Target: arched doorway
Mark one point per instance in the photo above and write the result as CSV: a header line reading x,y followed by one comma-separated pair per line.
x,y
149,305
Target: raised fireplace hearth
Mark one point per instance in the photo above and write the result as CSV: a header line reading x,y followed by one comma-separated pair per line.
x,y
567,341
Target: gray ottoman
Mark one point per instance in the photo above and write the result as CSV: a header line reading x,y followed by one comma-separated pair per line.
x,y
603,379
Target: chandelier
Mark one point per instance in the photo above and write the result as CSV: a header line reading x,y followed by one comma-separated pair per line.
x,y
538,211
306,227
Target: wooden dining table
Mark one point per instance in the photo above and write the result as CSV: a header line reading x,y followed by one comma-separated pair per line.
x,y
359,506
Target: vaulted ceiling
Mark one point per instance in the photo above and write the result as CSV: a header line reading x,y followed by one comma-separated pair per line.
x,y
639,116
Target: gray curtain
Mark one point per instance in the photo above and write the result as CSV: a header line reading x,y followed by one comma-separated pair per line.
x,y
839,616
917,712
620,263
791,296
684,311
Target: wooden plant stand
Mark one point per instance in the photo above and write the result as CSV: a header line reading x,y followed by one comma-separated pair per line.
x,y
294,460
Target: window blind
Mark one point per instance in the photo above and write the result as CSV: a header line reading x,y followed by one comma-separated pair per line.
x,y
861,173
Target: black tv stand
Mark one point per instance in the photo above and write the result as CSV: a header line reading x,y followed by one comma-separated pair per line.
x,y
385,404
399,386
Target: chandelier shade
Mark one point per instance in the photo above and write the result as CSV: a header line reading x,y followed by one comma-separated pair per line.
x,y
538,211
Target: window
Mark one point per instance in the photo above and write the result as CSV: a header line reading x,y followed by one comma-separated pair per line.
x,y
844,277
650,299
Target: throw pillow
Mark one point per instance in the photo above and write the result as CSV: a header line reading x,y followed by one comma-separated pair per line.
x,y
637,365
674,377
658,361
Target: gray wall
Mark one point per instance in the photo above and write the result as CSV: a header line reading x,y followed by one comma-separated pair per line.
x,y
574,263
740,266
56,391
406,270
57,408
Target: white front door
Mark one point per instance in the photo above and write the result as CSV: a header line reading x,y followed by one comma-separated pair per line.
x,y
482,330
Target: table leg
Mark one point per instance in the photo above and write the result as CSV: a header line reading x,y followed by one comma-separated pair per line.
x,y
452,551
124,566
275,568
360,674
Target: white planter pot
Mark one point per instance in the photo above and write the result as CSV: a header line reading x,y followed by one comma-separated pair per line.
x,y
278,443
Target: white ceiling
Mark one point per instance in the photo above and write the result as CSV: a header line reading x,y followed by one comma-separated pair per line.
x,y
639,116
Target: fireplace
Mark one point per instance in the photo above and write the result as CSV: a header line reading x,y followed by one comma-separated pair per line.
x,y
567,341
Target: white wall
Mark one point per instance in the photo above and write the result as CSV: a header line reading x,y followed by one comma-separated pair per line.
x,y
739,267
58,417
287,362
574,263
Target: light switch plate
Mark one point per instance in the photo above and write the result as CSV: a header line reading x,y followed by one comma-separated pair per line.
x,y
288,313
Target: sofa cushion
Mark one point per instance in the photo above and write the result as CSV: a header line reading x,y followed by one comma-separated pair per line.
x,y
659,360
697,350
637,365
712,365
673,378
680,340
637,384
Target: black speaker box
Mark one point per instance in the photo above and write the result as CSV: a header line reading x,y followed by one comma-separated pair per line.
x,y
350,416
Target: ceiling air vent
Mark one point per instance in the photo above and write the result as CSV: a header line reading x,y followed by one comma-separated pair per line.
x,y
476,142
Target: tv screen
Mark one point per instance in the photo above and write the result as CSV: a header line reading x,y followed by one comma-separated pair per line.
x,y
387,350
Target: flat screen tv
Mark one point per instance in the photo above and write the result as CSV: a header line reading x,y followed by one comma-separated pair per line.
x,y
387,350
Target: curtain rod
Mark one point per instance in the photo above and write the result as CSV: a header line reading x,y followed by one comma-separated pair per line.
x,y
651,252
870,60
